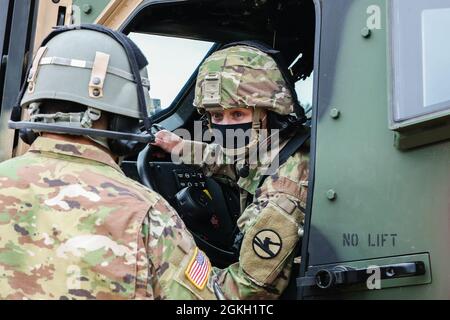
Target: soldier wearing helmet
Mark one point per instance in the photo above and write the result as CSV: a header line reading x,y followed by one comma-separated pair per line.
x,y
72,225
242,88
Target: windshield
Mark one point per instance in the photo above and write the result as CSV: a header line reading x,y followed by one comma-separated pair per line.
x,y
172,62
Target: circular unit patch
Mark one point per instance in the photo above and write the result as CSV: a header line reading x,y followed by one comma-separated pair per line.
x,y
267,244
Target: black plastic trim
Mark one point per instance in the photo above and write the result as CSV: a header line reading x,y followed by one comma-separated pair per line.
x,y
313,148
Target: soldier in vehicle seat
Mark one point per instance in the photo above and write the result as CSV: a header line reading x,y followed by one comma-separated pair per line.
x,y
249,96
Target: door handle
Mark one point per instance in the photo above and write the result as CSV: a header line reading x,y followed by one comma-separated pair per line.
x,y
345,276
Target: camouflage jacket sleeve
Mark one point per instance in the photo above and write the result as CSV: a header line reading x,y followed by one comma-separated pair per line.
x,y
272,225
170,251
210,157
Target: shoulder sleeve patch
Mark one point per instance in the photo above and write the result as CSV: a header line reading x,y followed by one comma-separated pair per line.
x,y
268,244
198,269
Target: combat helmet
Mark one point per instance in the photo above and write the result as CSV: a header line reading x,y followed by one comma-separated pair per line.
x,y
243,75
247,74
95,67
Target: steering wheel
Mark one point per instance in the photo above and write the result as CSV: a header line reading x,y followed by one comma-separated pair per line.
x,y
220,257
143,167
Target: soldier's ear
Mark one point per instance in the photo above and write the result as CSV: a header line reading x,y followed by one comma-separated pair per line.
x,y
102,123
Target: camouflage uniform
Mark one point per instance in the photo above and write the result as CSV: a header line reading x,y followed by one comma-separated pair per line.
x,y
250,78
73,226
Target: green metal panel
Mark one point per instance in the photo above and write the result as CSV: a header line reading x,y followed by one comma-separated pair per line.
x,y
90,9
380,190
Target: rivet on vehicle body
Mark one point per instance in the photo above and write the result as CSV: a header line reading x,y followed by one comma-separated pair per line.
x,y
366,32
96,81
331,195
87,8
96,92
335,113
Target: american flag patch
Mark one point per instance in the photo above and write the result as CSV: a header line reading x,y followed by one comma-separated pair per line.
x,y
198,269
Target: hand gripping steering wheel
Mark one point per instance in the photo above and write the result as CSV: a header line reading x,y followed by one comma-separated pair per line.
x,y
218,256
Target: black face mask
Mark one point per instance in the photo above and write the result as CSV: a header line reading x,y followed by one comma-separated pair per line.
x,y
233,136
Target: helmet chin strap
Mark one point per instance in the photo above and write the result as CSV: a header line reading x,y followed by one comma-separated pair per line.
x,y
254,141
256,129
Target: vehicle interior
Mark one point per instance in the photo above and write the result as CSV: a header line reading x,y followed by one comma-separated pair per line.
x,y
176,37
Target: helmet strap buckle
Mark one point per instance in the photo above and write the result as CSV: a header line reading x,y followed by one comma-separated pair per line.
x,y
90,116
34,109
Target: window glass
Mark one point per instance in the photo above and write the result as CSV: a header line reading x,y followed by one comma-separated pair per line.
x,y
304,90
436,56
421,57
172,62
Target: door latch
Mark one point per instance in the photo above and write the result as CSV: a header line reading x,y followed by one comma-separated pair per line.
x,y
345,276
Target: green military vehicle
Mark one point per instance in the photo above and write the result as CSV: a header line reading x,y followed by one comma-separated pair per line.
x,y
374,76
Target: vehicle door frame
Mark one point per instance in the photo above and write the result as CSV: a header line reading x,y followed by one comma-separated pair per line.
x,y
312,162
22,15
164,115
